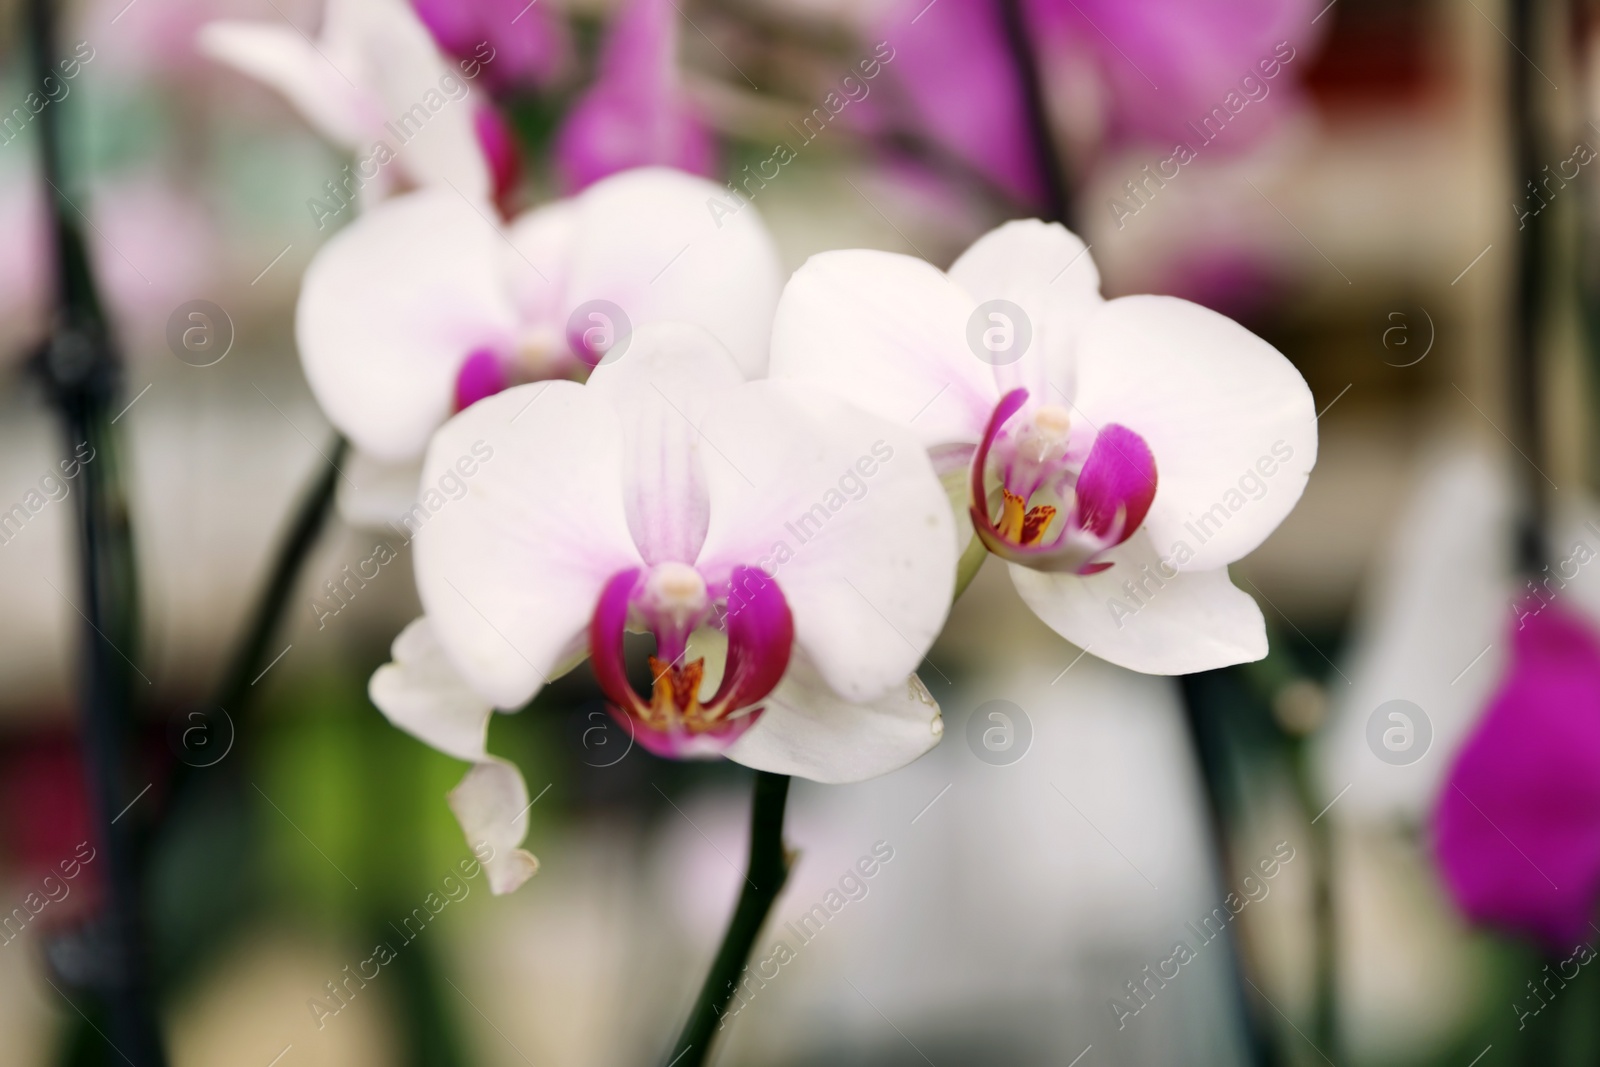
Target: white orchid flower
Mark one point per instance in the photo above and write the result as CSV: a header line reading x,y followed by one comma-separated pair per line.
x,y
1117,454
425,304
793,557
375,84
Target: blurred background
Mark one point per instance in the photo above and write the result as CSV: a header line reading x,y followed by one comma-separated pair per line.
x,y
1358,206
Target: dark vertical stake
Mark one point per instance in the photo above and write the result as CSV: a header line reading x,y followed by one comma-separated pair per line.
x,y
1533,242
1031,82
81,372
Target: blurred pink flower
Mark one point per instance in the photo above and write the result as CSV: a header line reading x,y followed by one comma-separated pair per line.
x,y
152,249
635,114
1517,824
530,44
952,64
1158,65
1165,63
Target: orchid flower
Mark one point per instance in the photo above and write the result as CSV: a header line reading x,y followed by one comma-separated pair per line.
x,y
373,83
424,305
1117,454
793,558
1517,822
635,114
530,43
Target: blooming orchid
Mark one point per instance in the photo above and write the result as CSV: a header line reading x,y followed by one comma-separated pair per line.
x,y
424,305
375,84
792,556
1117,454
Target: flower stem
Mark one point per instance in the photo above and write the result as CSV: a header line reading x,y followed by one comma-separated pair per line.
x,y
249,659
768,870
1031,82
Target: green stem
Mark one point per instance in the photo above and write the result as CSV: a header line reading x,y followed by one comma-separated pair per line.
x,y
769,869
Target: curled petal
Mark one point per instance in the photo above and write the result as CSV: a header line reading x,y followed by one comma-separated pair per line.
x,y
491,803
424,695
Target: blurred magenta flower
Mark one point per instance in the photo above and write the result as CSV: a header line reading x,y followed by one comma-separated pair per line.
x,y
1517,822
962,89
1117,454
1126,70
636,113
425,304
530,43
792,556
1164,64
375,84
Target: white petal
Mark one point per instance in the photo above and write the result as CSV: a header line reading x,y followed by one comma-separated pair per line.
x,y
845,510
1046,270
649,242
536,264
1191,621
422,98
424,695
809,731
389,309
491,803
1220,408
510,572
283,59
888,333
662,387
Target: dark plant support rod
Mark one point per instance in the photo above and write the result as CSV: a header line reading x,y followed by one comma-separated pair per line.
x,y
80,370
